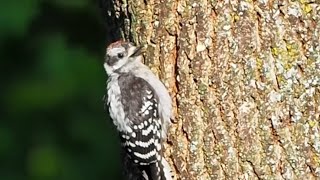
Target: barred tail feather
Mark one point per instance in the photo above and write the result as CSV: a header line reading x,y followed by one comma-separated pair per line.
x,y
158,171
145,175
131,170
166,170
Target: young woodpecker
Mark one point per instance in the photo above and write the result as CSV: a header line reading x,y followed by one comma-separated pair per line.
x,y
140,107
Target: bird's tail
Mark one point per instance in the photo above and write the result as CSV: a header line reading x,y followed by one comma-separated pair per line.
x,y
167,173
159,171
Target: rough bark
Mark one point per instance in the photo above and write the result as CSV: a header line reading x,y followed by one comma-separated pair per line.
x,y
244,77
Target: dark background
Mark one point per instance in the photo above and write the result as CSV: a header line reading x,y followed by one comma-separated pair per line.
x,y
53,125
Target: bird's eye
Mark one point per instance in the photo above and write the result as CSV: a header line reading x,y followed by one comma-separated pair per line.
x,y
120,55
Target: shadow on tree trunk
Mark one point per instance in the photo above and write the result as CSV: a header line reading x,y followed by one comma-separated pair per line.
x,y
116,21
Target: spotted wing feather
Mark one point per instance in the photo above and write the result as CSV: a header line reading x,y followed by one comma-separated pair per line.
x,y
140,103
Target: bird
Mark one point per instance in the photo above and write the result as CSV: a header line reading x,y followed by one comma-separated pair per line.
x,y
140,107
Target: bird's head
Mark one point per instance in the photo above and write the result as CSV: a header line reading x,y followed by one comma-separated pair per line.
x,y
120,53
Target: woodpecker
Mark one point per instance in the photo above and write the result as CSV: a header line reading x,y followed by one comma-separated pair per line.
x,y
141,109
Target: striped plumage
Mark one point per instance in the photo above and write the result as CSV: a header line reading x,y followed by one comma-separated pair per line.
x,y
140,107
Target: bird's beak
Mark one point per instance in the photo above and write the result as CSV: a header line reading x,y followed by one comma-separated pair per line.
x,y
137,52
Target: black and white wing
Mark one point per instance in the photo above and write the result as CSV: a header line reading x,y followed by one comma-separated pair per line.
x,y
140,103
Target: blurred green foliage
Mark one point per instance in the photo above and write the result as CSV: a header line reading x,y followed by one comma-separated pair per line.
x,y
53,125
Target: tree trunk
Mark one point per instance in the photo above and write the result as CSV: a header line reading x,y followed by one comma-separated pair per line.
x,y
244,77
